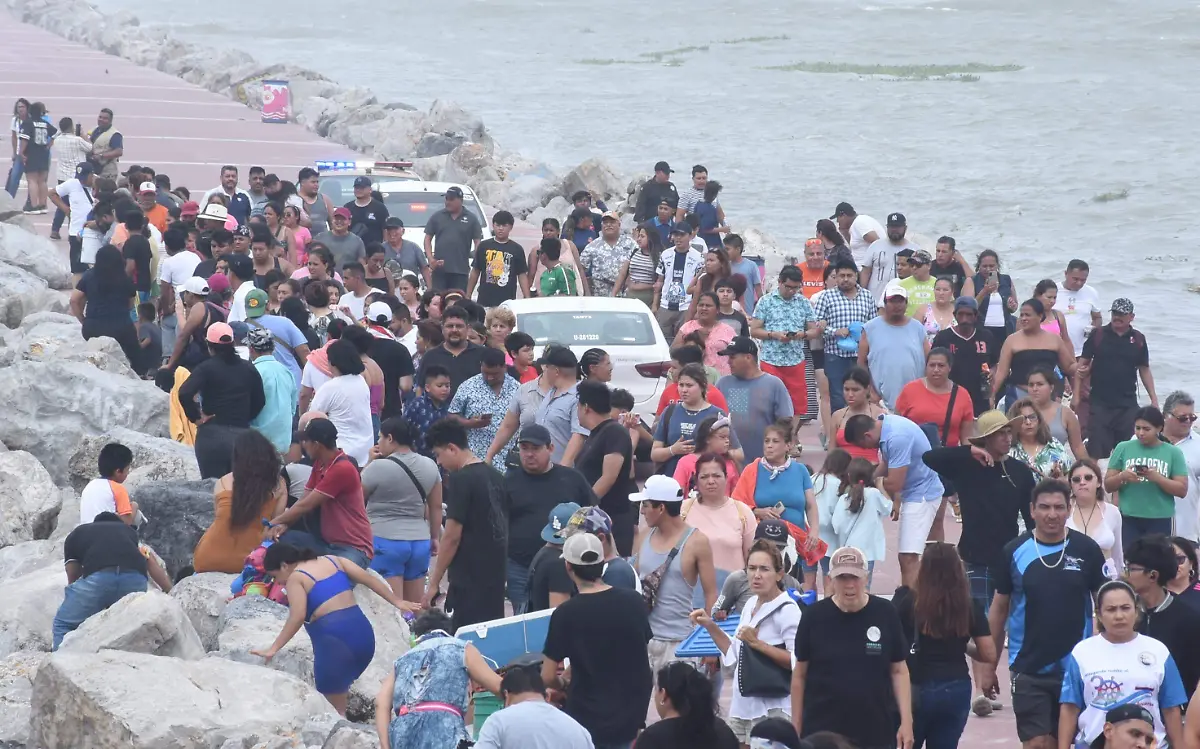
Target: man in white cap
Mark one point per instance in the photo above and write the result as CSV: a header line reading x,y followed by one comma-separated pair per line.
x,y
851,675
680,556
603,632
893,347
156,215
392,356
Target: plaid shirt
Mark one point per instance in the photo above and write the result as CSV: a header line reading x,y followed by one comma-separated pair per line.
x,y
838,311
69,151
421,413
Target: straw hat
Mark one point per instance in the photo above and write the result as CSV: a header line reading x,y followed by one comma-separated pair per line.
x,y
990,422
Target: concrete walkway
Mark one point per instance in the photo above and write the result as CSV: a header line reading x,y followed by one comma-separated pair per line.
x,y
188,133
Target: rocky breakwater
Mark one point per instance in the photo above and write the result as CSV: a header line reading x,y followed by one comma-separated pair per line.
x,y
446,142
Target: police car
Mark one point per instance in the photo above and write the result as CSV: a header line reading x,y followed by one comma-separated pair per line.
x,y
416,202
337,177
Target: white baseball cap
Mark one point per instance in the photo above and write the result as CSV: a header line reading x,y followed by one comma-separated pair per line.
x,y
148,187
583,548
379,312
196,285
659,489
894,288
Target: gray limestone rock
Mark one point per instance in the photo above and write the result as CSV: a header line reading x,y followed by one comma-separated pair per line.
x,y
29,500
595,176
154,458
16,691
151,622
252,623
21,559
203,597
34,253
30,602
437,144
177,514
347,735
139,701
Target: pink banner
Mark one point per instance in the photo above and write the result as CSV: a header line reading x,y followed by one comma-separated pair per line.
x,y
277,102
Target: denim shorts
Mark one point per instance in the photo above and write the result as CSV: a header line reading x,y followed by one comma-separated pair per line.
x,y
405,559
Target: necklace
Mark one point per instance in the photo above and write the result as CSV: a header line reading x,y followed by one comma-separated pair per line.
x,y
1061,555
1086,522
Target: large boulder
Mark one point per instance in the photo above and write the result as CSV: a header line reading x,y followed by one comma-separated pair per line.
x,y
59,388
347,735
16,691
12,213
151,622
20,559
437,144
30,603
19,292
252,623
154,458
470,163
34,253
392,640
29,500
139,701
177,514
595,176
203,597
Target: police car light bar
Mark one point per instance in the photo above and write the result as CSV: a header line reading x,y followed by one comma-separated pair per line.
x,y
324,166
394,164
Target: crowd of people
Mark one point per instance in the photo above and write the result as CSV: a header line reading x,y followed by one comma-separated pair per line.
x,y
365,402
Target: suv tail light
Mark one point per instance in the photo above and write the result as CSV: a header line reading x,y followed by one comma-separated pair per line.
x,y
653,370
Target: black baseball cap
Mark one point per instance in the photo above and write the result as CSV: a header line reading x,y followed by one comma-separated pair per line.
x,y
778,731
535,434
742,344
393,222
454,192
896,219
1120,714
772,530
843,209
321,431
663,166
362,182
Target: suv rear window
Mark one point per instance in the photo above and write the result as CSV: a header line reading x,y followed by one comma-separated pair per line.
x,y
593,328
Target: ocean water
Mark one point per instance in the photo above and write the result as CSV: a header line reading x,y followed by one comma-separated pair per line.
x,y
1044,129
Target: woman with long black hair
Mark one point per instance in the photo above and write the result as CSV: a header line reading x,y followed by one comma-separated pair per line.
x,y
685,701
252,492
102,300
231,394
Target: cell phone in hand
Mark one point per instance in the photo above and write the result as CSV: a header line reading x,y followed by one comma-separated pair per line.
x,y
1141,470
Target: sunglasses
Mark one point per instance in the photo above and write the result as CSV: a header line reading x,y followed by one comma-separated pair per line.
x,y
1190,419
1079,479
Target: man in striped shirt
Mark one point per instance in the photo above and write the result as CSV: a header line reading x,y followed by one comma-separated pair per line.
x,y
837,311
70,150
690,196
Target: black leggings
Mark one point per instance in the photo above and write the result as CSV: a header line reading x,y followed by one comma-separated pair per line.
x,y
123,332
214,448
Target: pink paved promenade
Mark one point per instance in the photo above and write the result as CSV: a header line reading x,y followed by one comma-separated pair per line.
x,y
188,133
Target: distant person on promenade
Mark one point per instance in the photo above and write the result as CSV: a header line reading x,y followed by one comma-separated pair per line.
x,y
74,198
860,232
451,236
404,253
655,191
108,145
316,207
368,214
34,151
1114,357
601,260
69,151
346,246
694,193
1078,303
844,310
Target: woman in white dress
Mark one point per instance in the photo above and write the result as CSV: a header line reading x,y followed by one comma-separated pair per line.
x,y
1091,515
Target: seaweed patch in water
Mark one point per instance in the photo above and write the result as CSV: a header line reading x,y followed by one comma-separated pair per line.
x,y
965,72
1108,197
755,39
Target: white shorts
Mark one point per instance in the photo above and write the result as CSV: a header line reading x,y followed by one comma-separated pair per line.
x,y
916,518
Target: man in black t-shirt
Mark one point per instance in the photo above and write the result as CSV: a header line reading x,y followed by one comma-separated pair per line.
x,y
1115,355
604,632
974,350
461,358
1045,585
531,492
851,675
137,253
606,460
474,543
499,265
549,584
367,214
103,565
1149,565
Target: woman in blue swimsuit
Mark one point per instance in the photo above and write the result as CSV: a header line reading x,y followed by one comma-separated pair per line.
x,y
321,597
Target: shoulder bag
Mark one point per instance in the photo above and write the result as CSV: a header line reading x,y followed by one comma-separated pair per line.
x,y
412,476
758,675
931,430
652,582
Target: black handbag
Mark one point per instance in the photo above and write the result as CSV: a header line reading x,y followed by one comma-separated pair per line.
x,y
758,675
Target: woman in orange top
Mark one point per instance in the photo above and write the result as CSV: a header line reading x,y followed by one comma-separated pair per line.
x,y
856,389
255,491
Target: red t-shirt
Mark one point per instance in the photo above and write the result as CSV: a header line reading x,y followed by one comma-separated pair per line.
x,y
671,395
344,514
919,405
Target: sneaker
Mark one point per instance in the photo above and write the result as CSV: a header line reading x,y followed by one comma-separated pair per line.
x,y
981,706
55,235
41,211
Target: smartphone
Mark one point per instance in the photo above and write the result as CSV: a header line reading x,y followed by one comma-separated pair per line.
x,y
1141,470
79,130
994,277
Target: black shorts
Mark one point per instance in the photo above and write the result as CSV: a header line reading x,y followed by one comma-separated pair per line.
x,y
818,358
1035,704
37,161
76,251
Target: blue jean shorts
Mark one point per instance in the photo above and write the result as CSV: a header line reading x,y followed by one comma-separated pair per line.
x,y
405,559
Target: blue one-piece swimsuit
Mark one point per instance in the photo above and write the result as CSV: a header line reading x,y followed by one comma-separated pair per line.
x,y
343,641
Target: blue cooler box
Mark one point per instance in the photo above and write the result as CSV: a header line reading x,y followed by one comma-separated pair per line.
x,y
502,640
